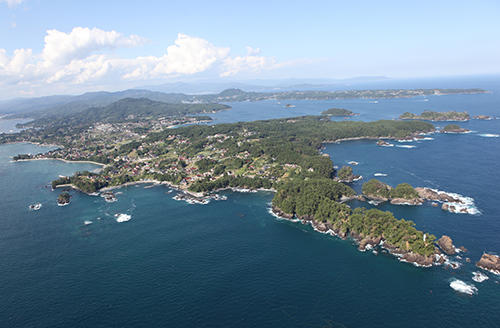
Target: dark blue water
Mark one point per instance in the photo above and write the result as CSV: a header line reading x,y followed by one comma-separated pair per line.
x,y
232,264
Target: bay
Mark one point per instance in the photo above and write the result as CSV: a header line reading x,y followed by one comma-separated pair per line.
x,y
9,126
231,263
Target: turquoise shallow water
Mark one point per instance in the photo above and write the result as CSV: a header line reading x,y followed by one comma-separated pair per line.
x,y
231,263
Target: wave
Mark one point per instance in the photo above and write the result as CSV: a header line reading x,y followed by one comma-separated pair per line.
x,y
479,276
218,197
243,190
191,200
462,287
270,211
120,217
406,146
489,135
467,204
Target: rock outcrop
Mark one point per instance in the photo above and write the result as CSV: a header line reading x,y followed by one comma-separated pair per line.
x,y
351,178
429,194
489,262
404,201
446,245
281,214
455,131
483,117
383,143
422,260
369,242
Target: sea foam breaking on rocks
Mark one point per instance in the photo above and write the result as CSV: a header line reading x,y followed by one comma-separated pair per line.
x,y
462,287
452,202
120,217
479,276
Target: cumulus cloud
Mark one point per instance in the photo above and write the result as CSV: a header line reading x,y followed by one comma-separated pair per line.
x,y
12,3
62,48
85,56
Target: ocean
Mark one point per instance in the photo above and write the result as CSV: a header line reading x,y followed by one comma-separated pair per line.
x,y
231,263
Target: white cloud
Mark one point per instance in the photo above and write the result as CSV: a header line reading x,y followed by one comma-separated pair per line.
x,y
13,3
234,66
62,49
84,56
253,52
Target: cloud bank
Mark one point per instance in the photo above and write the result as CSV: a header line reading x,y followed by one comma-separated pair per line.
x,y
85,56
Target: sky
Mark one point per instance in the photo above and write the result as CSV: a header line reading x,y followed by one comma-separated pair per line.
x,y
52,47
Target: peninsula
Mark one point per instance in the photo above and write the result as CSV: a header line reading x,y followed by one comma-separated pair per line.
x,y
280,154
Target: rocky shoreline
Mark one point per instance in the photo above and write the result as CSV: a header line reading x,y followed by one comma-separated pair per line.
x,y
414,136
451,202
364,242
488,262
461,130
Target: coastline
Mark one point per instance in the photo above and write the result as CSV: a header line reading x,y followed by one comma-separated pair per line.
x,y
364,243
197,195
379,138
63,160
32,143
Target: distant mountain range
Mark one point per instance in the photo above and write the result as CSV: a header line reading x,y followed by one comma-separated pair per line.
x,y
67,105
200,87
170,93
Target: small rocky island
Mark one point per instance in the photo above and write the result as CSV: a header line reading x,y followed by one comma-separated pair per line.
x,y
490,263
453,128
483,117
339,112
384,143
63,199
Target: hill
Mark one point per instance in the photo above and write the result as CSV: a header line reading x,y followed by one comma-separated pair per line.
x,y
128,109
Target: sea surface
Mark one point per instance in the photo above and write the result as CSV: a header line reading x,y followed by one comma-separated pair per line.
x,y
231,263
9,126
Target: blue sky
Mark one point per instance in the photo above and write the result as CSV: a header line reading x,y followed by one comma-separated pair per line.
x,y
58,47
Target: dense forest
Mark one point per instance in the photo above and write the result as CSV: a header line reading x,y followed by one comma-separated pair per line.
x,y
318,199
437,116
128,109
377,189
337,112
